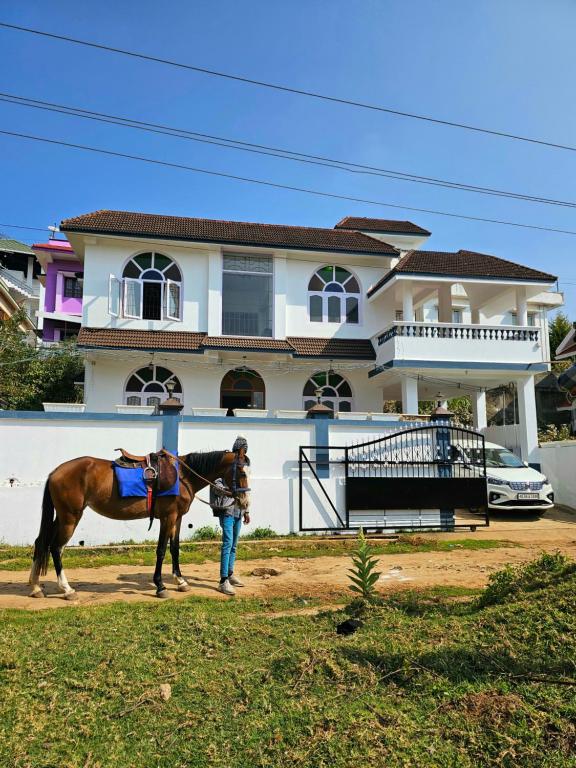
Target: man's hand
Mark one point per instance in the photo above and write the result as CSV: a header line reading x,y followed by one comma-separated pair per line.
x,y
246,518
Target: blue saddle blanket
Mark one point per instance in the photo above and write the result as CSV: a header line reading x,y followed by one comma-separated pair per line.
x,y
131,483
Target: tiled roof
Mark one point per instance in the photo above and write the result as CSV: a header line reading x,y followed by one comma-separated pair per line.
x,y
232,232
462,264
355,349
184,341
14,246
236,342
381,225
54,245
120,338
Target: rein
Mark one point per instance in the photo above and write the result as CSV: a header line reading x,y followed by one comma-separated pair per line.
x,y
232,495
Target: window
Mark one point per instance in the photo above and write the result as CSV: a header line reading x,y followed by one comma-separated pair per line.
x,y
72,288
242,388
399,315
147,386
456,315
532,318
247,293
336,392
150,289
333,296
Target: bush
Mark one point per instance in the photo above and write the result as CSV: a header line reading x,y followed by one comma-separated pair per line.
x,y
206,533
262,533
513,582
552,432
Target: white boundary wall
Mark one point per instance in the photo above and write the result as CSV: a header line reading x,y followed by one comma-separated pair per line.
x,y
558,461
32,446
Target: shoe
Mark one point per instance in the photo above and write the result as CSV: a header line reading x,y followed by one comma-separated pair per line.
x,y
235,581
226,588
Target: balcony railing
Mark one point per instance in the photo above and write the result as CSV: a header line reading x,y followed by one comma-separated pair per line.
x,y
459,331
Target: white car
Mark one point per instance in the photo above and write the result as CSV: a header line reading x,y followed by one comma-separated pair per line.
x,y
513,485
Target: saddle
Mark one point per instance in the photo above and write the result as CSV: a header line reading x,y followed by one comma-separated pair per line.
x,y
160,469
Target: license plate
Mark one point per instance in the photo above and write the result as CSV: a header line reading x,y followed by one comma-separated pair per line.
x,y
528,496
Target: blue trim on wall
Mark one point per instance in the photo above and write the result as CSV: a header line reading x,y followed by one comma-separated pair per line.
x,y
456,365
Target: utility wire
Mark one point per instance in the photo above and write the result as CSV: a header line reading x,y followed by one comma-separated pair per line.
x,y
288,89
290,188
262,149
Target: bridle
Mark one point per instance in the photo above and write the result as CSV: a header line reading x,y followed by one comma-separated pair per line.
x,y
234,491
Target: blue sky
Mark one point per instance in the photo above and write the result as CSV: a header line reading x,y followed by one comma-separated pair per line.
x,y
504,65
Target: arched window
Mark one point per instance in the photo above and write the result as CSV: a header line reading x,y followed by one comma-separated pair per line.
x,y
147,386
336,392
333,296
150,289
242,388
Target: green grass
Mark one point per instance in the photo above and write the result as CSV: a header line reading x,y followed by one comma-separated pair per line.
x,y
428,681
19,558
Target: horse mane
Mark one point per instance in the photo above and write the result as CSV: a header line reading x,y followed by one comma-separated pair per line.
x,y
205,463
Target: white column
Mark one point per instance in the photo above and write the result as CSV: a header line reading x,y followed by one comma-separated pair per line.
x,y
445,303
214,308
407,302
475,315
528,427
279,306
521,306
30,270
479,410
409,396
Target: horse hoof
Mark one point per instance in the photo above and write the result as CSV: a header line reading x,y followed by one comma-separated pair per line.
x,y
184,588
163,594
71,596
37,593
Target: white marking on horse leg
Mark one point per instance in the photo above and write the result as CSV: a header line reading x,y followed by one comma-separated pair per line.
x,y
179,580
63,585
34,581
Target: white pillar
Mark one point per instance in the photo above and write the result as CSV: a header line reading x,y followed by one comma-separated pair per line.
x,y
475,315
214,308
528,427
445,303
407,302
279,322
479,410
521,306
409,396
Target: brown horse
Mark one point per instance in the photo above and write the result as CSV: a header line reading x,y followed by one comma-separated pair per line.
x,y
89,482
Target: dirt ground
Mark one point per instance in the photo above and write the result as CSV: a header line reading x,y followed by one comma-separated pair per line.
x,y
321,577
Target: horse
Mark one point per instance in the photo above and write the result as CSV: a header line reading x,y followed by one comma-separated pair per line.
x,y
90,482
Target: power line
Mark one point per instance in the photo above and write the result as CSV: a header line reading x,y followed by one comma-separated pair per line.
x,y
288,187
19,226
289,89
262,149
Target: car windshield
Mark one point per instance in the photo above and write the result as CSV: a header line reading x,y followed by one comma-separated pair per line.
x,y
500,457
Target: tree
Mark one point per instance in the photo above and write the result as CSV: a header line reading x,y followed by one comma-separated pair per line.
x,y
558,328
31,375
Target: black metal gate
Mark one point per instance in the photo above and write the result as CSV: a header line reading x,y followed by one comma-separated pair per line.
x,y
438,470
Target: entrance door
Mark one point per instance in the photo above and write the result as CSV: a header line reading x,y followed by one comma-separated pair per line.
x,y
242,388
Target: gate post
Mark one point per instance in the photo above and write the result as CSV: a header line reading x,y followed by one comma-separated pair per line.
x,y
170,410
440,417
321,413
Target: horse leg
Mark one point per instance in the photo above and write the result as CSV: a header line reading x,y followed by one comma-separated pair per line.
x,y
183,585
62,534
166,530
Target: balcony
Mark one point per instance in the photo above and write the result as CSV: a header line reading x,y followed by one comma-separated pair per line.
x,y
455,342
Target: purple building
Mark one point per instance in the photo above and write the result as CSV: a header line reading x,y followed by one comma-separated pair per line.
x,y
60,313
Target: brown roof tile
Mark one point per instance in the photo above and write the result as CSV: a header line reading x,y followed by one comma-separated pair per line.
x,y
120,338
232,232
462,264
185,341
380,225
239,342
352,349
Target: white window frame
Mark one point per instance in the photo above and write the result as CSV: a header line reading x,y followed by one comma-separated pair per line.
x,y
140,283
166,303
115,283
342,296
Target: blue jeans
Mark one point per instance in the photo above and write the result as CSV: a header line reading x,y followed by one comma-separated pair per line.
x,y
230,532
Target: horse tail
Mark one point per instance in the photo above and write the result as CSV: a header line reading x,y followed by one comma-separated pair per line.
x,y
45,536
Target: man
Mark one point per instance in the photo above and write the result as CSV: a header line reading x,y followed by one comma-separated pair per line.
x,y
230,515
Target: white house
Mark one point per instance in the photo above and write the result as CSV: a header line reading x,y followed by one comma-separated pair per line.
x,y
251,318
